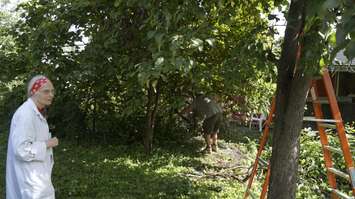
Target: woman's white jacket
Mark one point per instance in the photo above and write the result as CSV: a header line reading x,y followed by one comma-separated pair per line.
x,y
29,162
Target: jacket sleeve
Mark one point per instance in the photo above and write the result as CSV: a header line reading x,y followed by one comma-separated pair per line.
x,y
26,147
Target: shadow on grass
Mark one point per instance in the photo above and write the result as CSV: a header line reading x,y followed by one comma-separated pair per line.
x,y
191,145
109,171
112,172
117,172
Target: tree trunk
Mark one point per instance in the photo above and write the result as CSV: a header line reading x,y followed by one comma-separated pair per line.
x,y
151,107
292,90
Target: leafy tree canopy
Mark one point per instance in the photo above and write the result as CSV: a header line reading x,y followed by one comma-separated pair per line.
x,y
103,55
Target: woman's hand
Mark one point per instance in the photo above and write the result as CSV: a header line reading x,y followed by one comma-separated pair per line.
x,y
53,142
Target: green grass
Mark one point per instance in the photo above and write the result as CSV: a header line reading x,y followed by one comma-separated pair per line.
x,y
172,171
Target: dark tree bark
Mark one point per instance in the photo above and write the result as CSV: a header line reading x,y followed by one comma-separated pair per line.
x,y
151,107
292,90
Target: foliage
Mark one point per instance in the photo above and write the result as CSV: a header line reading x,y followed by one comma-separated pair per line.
x,y
103,55
122,171
312,170
312,174
329,28
350,128
10,60
312,181
12,96
111,171
11,92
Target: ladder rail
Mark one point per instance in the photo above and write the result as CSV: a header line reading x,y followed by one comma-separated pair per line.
x,y
323,138
340,126
266,183
263,141
337,123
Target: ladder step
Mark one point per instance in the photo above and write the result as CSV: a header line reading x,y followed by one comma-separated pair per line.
x,y
321,101
338,151
326,125
263,162
339,173
313,119
340,194
333,149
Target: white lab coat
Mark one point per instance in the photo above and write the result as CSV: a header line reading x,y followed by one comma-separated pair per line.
x,y
29,163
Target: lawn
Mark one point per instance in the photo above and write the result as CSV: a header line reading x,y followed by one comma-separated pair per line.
x,y
172,171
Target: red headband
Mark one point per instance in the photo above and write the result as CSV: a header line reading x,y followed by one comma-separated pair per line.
x,y
38,84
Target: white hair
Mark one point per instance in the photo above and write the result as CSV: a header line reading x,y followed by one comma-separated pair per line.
x,y
31,82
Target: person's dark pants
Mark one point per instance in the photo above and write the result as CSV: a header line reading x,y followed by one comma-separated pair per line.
x,y
212,124
210,129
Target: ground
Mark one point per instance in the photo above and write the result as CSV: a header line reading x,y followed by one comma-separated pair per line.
x,y
173,170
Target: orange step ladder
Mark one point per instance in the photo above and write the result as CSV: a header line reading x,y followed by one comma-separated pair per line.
x,y
322,124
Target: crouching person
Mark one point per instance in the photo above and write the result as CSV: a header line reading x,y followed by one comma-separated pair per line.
x,y
212,114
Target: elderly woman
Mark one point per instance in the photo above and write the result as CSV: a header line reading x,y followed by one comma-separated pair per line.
x,y
30,156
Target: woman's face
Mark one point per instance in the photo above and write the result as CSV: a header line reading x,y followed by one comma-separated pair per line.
x,y
44,96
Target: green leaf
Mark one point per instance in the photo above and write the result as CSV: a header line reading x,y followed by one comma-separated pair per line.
x,y
154,84
330,4
150,34
159,61
143,78
321,62
159,40
332,39
197,43
314,7
211,41
117,3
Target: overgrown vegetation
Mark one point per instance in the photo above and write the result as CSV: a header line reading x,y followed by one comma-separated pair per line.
x,y
122,69
115,63
175,169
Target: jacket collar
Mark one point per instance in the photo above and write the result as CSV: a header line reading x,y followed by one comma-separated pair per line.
x,y
35,109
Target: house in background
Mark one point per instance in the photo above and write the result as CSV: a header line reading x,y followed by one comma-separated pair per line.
x,y
342,73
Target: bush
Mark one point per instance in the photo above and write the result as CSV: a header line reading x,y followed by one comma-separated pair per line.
x,y
313,182
10,100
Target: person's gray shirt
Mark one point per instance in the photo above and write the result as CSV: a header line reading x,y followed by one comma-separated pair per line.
x,y
205,107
